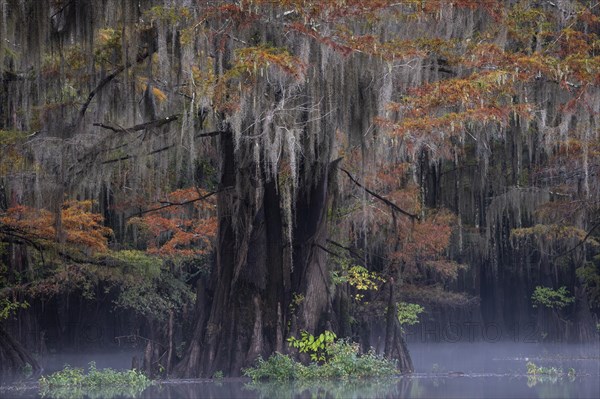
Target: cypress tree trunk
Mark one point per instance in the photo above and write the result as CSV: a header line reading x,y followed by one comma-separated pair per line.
x,y
14,358
254,283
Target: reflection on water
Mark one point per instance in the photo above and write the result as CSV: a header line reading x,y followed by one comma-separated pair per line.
x,y
419,386
109,392
442,371
405,387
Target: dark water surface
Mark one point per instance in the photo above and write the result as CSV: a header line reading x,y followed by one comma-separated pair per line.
x,y
448,370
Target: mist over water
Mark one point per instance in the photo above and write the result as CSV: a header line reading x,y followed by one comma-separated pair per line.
x,y
120,360
442,370
503,357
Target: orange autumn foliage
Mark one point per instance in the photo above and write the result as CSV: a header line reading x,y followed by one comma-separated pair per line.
x,y
181,225
81,228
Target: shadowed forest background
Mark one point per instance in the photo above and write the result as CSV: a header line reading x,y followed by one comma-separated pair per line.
x,y
206,179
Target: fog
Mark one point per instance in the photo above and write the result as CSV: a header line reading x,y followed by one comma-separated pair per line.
x,y
442,370
118,360
503,357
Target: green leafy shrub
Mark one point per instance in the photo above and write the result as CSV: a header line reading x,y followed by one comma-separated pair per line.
x,y
408,313
278,367
534,369
539,374
315,346
75,377
343,362
553,299
8,307
346,362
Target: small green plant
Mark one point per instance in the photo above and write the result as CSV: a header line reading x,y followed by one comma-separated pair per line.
x,y
539,374
408,313
297,300
534,369
358,277
552,299
27,370
218,375
315,346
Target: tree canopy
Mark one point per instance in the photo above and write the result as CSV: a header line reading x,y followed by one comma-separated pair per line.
x,y
300,165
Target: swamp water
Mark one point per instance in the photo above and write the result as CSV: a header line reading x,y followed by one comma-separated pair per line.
x,y
446,370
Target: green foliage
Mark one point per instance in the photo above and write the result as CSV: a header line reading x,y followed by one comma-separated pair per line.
x,y
373,388
27,370
139,263
316,347
552,299
71,377
170,15
408,313
218,375
9,137
297,300
7,307
106,383
542,374
146,285
346,362
343,363
357,276
534,369
278,367
155,297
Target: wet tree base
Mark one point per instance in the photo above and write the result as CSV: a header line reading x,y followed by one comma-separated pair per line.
x,y
15,360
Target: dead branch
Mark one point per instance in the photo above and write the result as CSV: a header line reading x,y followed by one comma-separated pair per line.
x,y
389,203
583,240
210,134
141,126
170,204
106,80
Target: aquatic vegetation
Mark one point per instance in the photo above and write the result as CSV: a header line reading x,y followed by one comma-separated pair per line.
x,y
106,383
315,346
539,374
343,362
534,369
387,388
218,375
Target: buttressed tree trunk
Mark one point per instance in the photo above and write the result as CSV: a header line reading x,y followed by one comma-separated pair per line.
x,y
276,168
15,360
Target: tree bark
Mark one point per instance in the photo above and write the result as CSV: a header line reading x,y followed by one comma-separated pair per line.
x,y
14,359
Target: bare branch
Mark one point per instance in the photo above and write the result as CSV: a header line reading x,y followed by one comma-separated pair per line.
x,y
210,134
141,126
106,80
5,230
379,197
583,240
170,204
